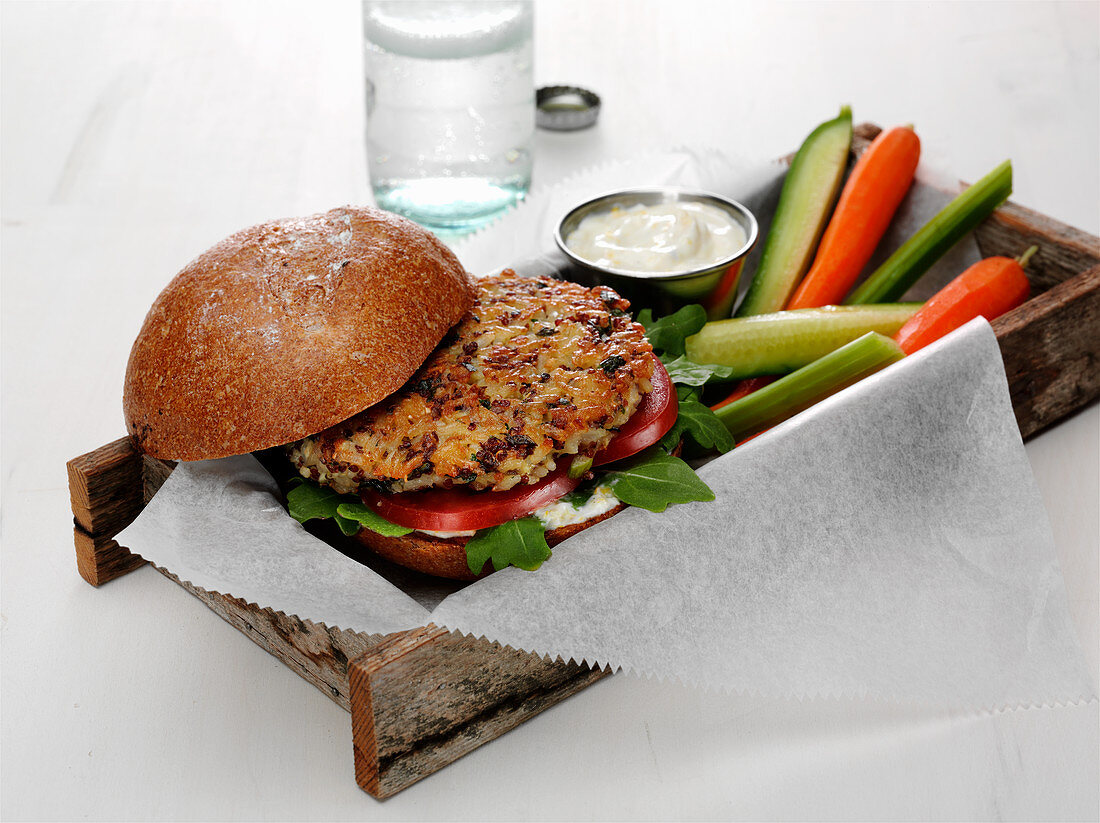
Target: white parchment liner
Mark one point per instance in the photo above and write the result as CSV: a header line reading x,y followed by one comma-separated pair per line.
x,y
889,542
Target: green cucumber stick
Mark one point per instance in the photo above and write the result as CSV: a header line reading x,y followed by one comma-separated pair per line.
x,y
805,203
783,341
905,266
799,390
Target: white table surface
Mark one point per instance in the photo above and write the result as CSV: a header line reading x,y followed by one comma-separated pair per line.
x,y
135,135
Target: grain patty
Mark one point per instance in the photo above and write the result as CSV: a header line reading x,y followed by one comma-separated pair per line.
x,y
537,369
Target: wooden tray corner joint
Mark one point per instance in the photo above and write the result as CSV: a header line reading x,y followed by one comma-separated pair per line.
x,y
421,699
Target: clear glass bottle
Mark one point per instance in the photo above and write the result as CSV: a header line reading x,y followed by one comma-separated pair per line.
x,y
450,108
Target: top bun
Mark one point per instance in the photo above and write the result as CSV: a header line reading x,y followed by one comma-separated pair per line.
x,y
287,328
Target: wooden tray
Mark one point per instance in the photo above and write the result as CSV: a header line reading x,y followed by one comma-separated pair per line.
x,y
421,699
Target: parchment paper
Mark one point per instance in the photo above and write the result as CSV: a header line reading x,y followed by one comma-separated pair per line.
x,y
889,542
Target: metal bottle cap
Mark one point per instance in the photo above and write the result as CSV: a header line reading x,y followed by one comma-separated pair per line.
x,y
566,108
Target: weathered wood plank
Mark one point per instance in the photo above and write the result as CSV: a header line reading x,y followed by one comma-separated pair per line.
x,y
153,474
424,698
1064,252
105,493
862,135
105,487
100,559
313,651
1051,351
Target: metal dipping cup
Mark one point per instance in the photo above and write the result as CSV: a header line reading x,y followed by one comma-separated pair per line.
x,y
715,287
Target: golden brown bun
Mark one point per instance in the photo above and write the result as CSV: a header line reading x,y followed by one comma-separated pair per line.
x,y
287,328
447,557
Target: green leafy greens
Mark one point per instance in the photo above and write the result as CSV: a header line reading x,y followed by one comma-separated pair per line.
x,y
653,480
360,514
695,420
519,543
698,422
308,501
686,372
669,332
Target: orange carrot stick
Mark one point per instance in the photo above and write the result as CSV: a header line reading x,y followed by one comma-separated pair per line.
x,y
989,288
874,190
872,194
743,388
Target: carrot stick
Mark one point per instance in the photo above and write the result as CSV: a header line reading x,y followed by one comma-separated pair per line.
x,y
874,191
989,288
743,388
867,204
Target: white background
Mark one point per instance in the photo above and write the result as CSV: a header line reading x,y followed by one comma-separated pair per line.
x,y
135,135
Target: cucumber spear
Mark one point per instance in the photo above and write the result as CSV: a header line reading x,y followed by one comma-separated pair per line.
x,y
809,193
801,389
787,340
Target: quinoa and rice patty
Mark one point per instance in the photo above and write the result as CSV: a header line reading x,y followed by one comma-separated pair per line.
x,y
538,368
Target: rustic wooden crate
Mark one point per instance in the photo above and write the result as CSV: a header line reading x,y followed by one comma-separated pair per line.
x,y
421,699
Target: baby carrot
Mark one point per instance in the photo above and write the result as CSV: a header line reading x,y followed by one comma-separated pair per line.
x,y
743,388
989,288
917,254
874,191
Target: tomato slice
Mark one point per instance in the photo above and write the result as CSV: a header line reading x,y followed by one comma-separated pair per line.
x,y
459,510
653,417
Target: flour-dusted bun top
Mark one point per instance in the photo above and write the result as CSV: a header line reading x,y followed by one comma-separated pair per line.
x,y
287,328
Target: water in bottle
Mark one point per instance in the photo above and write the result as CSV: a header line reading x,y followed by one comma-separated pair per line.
x,y
450,108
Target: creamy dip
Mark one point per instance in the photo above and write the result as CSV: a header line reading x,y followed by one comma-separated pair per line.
x,y
667,237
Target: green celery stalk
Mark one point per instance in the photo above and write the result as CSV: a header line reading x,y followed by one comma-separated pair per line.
x,y
783,341
805,203
905,266
799,390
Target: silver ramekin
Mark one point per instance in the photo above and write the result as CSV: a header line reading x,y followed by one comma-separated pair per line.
x,y
715,286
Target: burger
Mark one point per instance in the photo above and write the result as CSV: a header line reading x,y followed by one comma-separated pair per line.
x,y
453,425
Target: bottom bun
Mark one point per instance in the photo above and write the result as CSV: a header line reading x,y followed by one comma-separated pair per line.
x,y
446,557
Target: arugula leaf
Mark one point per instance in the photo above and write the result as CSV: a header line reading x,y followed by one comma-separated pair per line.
x,y
689,373
668,333
655,480
362,516
519,543
309,501
698,422
583,493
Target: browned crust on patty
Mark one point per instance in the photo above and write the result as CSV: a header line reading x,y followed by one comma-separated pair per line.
x,y
538,369
446,557
287,328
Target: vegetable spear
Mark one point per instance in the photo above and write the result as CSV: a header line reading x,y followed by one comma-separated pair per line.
x,y
805,203
875,189
804,206
801,389
781,342
905,266
988,289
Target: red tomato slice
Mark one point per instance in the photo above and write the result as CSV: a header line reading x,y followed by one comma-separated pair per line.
x,y
458,510
653,417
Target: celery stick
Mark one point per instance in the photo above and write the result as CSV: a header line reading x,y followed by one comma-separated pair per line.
x,y
801,389
807,199
783,341
905,266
